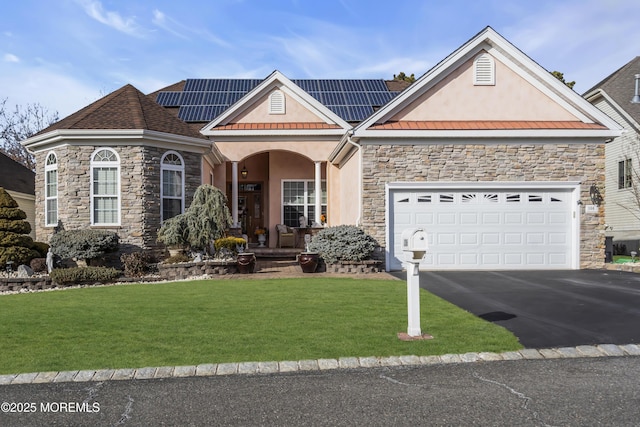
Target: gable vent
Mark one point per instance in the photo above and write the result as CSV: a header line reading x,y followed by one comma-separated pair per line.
x,y
276,102
484,70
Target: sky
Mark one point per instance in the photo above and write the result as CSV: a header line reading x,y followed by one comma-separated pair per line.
x,y
65,54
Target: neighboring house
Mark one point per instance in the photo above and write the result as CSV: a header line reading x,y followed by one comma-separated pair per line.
x,y
487,151
19,180
615,95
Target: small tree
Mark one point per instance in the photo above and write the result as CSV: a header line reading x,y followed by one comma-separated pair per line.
x,y
206,219
15,244
343,243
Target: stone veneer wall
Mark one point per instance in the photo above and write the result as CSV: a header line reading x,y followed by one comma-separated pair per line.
x,y
486,162
139,192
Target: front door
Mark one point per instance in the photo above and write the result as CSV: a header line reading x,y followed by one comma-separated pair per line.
x,y
250,209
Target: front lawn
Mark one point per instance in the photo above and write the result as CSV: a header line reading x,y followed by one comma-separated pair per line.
x,y
216,321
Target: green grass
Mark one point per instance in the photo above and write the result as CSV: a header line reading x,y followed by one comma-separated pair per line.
x,y
216,321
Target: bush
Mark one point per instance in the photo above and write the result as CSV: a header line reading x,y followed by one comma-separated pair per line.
x,y
84,244
136,264
176,259
65,276
42,248
229,243
15,243
39,265
343,243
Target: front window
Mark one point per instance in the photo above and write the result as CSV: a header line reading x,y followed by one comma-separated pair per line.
x,y
105,187
624,174
172,185
298,199
51,190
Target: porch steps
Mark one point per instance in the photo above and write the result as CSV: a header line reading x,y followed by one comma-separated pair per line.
x,y
283,253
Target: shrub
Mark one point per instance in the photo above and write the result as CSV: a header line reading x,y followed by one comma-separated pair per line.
x,y
343,243
64,276
230,243
176,259
42,248
136,264
15,243
39,265
84,244
174,231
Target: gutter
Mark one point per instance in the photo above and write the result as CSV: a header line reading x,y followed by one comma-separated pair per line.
x,y
360,192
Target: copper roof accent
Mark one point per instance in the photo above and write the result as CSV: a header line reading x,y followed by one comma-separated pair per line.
x,y
272,126
126,108
484,125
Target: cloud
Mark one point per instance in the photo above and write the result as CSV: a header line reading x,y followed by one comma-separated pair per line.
x,y
94,9
9,57
176,28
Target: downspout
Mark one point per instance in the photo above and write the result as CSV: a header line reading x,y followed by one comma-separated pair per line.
x,y
359,148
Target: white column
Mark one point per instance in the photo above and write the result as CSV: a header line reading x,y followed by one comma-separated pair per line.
x,y
318,189
234,193
413,300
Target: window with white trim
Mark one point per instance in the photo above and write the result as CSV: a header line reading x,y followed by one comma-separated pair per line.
x,y
105,187
624,174
171,185
51,190
277,102
484,70
298,199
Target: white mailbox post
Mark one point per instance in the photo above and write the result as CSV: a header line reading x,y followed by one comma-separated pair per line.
x,y
414,246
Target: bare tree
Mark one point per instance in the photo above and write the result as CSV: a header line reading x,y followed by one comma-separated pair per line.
x,y
20,124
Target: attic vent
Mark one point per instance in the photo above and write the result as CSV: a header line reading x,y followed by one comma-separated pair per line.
x,y
484,70
276,102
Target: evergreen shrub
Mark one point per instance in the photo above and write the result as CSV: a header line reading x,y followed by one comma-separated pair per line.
x,y
69,276
84,244
343,243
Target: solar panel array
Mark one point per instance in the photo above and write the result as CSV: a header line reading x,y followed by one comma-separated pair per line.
x,y
202,100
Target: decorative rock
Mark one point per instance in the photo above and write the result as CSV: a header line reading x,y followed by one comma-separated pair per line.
x,y
24,271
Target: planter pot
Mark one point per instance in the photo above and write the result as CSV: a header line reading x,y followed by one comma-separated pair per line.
x,y
246,263
176,250
309,261
261,238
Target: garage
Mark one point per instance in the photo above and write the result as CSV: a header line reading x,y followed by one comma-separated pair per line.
x,y
476,226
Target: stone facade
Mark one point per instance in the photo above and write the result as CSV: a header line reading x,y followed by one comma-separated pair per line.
x,y
386,163
139,192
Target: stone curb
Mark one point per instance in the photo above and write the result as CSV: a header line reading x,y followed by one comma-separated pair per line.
x,y
246,368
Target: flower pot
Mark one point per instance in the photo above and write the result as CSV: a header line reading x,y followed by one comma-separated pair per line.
x,y
246,263
261,238
309,261
176,250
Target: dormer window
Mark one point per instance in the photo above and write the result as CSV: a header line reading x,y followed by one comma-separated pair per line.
x,y
484,70
276,102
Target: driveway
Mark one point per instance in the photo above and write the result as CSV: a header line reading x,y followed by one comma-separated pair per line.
x,y
546,309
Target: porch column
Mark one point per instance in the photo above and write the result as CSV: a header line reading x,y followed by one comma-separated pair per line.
x,y
318,189
234,193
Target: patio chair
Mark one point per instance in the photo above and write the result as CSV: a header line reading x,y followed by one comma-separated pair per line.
x,y
286,236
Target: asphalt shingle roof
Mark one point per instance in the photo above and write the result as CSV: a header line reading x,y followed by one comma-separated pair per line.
x,y
15,176
126,108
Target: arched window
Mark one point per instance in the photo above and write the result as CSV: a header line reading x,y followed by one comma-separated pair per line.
x,y
105,187
51,190
171,185
484,70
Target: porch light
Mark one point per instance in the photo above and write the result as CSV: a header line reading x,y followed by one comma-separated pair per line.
x,y
244,172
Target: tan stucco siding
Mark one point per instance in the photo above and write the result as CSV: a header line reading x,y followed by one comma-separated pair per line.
x,y
456,98
294,112
313,150
349,201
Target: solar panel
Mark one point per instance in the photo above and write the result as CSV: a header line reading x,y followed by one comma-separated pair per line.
x,y
205,99
169,99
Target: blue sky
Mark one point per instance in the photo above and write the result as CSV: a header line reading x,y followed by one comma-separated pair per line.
x,y
65,54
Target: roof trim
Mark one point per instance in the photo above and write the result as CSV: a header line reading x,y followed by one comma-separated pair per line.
x,y
593,95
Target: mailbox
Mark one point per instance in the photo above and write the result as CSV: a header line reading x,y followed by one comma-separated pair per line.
x,y
414,244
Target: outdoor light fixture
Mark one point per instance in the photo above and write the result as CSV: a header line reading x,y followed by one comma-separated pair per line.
x,y
244,172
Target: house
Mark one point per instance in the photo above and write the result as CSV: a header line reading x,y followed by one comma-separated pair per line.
x,y
487,151
617,95
19,181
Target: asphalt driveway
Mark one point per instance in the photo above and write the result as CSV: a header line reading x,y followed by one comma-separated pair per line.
x,y
546,309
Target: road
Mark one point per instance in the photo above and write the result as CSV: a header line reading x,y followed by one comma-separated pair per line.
x,y
558,392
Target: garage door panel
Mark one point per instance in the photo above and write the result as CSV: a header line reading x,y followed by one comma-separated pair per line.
x,y
506,229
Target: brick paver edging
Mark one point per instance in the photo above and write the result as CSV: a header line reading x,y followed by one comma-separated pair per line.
x,y
604,350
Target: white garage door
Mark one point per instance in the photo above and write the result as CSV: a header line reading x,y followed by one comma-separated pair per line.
x,y
486,229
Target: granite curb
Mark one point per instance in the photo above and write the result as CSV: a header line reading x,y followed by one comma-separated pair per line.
x,y
247,368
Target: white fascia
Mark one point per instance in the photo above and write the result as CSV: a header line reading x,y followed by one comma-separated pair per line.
x,y
115,137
